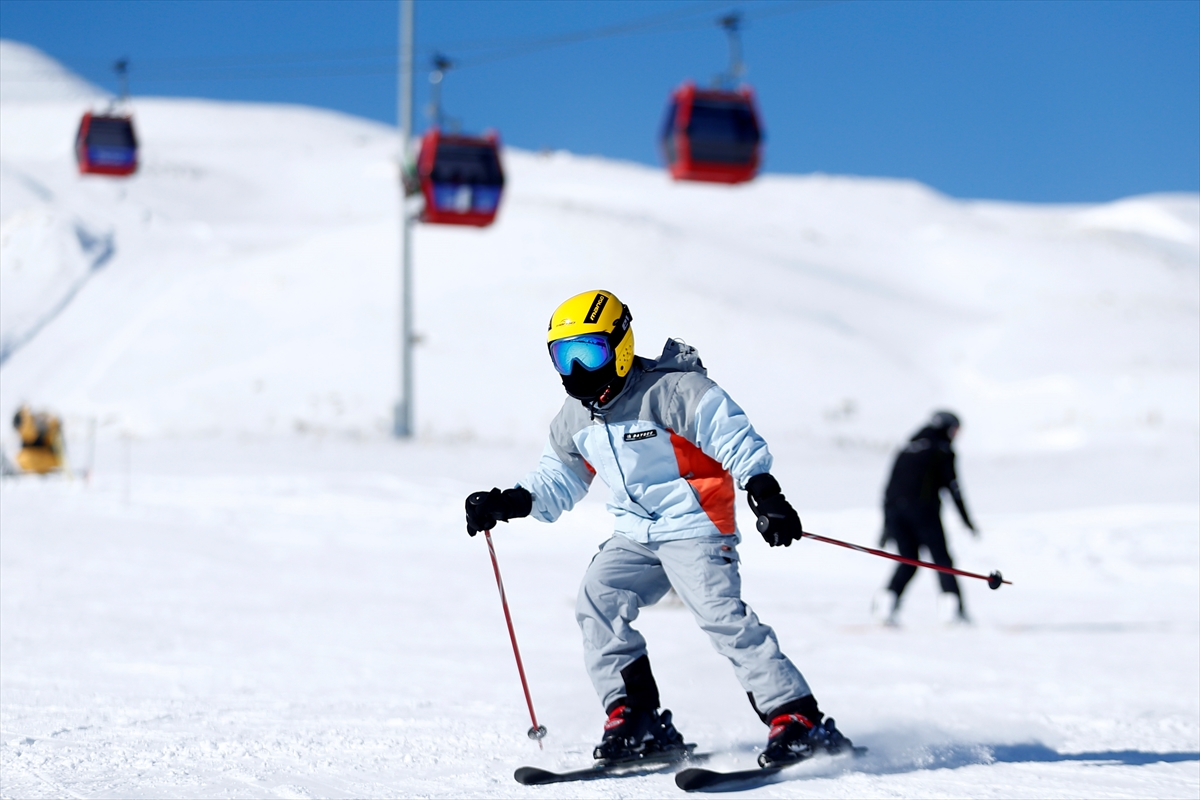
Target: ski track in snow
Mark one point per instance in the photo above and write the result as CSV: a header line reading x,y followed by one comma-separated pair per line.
x,y
259,594
317,624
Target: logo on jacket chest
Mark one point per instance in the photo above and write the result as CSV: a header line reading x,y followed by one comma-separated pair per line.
x,y
637,436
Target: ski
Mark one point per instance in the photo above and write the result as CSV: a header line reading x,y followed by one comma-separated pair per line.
x,y
696,779
534,776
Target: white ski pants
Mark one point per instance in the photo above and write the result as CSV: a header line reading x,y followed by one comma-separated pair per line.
x,y
626,575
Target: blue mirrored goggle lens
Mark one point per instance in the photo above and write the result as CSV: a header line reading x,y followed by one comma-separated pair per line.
x,y
592,352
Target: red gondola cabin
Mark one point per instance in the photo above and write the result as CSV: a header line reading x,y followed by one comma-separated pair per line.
x,y
461,178
712,135
106,145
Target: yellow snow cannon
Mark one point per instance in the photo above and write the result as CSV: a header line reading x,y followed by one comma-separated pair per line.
x,y
41,437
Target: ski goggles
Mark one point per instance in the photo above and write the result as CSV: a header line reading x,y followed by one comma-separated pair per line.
x,y
591,350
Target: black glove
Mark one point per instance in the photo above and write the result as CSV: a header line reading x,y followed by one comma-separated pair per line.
x,y
485,509
778,522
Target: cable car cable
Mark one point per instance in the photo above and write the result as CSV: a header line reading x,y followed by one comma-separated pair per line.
x,y
168,65
592,34
262,66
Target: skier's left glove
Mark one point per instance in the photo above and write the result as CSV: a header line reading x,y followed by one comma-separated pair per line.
x,y
485,509
778,522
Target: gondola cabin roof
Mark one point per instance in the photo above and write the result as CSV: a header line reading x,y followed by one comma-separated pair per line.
x,y
461,178
106,144
712,135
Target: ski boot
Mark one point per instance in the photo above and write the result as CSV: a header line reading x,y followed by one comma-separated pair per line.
x,y
631,734
885,608
794,737
951,611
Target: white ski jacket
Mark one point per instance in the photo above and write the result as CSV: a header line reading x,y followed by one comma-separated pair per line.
x,y
670,446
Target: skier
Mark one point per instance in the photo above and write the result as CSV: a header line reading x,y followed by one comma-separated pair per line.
x,y
671,445
912,507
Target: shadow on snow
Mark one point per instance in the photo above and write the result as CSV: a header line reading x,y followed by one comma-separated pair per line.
x,y
1023,753
891,761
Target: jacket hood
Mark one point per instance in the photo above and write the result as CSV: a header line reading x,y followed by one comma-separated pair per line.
x,y
928,432
677,356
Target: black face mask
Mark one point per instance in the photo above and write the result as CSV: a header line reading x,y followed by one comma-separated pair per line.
x,y
590,386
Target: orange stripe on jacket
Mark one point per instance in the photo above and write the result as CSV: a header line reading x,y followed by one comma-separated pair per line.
x,y
710,480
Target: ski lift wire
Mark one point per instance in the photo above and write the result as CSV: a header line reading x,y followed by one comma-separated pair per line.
x,y
382,61
686,24
587,34
389,52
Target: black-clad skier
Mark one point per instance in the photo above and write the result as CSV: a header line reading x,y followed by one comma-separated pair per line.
x,y
912,506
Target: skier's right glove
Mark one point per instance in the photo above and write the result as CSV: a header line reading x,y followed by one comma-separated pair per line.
x,y
778,522
485,509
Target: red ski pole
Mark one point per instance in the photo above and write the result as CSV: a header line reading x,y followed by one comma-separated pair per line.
x,y
537,731
994,580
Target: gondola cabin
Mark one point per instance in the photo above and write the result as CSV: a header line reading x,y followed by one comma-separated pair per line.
x,y
712,135
106,145
460,177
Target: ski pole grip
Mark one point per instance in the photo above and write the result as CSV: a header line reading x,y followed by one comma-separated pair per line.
x,y
764,521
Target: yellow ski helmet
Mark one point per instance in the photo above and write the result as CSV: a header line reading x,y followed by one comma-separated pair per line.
x,y
590,340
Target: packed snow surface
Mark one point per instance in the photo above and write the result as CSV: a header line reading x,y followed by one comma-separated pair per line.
x,y
256,592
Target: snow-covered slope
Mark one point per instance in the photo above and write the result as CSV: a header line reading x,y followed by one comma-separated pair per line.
x,y
261,594
254,289
27,75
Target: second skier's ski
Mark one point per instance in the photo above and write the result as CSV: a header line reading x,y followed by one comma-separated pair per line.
x,y
698,779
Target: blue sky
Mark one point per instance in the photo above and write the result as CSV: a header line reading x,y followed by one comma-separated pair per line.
x,y
1032,101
